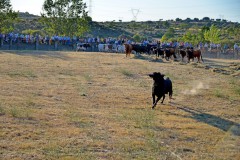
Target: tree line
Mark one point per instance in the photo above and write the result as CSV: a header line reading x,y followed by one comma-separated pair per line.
x,y
70,18
59,17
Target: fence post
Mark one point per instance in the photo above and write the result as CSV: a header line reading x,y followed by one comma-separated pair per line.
x,y
1,40
37,42
55,44
1,43
10,43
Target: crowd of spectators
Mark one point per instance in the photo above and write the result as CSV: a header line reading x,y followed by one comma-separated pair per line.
x,y
17,38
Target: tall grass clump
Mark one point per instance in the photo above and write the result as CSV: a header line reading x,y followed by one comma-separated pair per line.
x,y
87,77
126,72
26,74
219,94
21,113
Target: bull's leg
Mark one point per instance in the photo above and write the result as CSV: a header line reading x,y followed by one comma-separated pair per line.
x,y
154,104
153,97
202,59
170,95
163,98
174,56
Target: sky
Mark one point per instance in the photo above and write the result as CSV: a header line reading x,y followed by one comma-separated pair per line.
x,y
144,10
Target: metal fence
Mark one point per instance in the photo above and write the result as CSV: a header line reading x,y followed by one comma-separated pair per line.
x,y
56,46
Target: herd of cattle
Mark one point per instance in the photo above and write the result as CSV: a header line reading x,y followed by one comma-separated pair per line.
x,y
164,52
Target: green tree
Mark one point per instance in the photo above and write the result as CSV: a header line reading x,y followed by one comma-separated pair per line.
x,y
133,25
212,35
205,28
32,32
206,19
178,20
166,24
170,33
237,34
188,20
196,19
184,26
200,34
190,37
164,38
65,17
137,38
7,16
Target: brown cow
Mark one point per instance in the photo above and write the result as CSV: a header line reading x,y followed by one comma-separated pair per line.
x,y
183,53
128,49
191,54
169,52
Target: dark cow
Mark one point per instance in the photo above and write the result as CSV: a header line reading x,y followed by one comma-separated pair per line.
x,y
138,48
183,53
157,51
149,47
191,54
82,46
160,87
169,52
128,49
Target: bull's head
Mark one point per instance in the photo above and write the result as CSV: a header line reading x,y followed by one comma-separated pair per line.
x,y
156,75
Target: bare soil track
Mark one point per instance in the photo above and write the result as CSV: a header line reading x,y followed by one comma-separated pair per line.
x,y
77,105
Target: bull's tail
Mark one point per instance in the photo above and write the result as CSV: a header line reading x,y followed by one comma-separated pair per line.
x,y
169,90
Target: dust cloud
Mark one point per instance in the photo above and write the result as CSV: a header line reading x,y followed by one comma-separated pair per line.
x,y
196,88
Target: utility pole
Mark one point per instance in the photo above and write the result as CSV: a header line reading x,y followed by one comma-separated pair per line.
x,y
135,13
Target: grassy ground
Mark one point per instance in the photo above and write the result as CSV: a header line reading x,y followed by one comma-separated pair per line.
x,y
68,105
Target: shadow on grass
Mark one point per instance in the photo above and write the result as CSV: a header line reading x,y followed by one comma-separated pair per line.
x,y
39,54
148,58
215,121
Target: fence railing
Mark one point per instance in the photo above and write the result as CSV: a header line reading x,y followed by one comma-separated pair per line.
x,y
57,46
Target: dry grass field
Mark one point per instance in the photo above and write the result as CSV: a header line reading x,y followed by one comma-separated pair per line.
x,y
69,105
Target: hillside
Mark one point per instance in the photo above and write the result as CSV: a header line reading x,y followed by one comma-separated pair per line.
x,y
148,29
27,21
83,105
